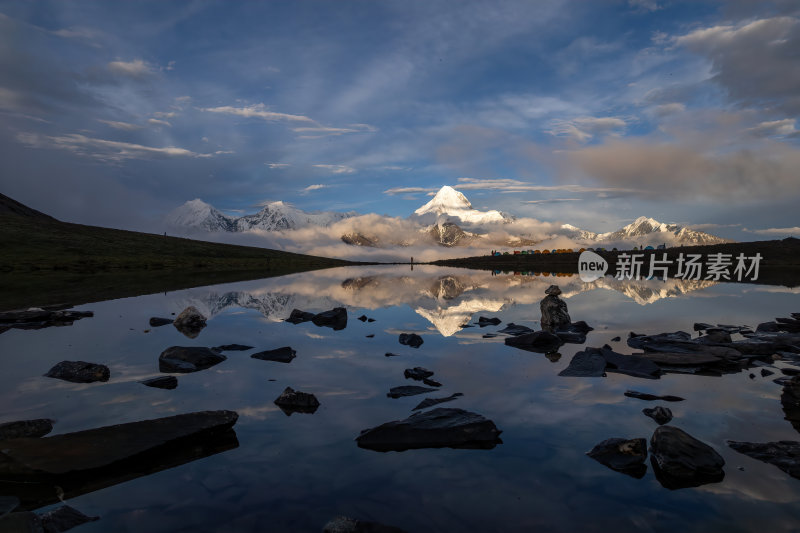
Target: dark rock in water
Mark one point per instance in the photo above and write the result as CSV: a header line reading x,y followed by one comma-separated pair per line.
x,y
678,341
21,522
363,318
156,322
79,372
682,461
702,326
430,402
292,401
407,390
683,359
431,382
489,335
411,339
64,518
623,455
784,454
580,326
616,339
553,357
651,397
279,355
765,372
554,310
483,321
716,336
571,337
297,316
538,341
418,373
515,329
587,363
163,382
91,460
232,348
370,320
790,401
370,336
390,354
38,427
185,359
335,318
190,322
631,365
39,318
439,428
343,524
661,415
782,381
790,371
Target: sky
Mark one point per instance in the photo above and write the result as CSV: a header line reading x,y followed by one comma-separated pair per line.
x,y
591,113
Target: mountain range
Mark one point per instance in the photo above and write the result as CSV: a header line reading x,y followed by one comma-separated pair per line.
x,y
448,219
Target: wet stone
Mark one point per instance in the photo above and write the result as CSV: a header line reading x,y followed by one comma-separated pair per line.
x,y
156,322
483,321
190,322
297,316
411,339
585,364
336,319
292,401
36,428
784,454
652,397
682,461
79,372
538,341
186,359
279,355
661,415
418,373
162,382
515,329
232,348
430,402
407,390
623,455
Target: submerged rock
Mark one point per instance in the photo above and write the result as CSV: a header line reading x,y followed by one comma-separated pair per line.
x,y
585,364
343,524
516,329
279,355
186,359
411,339
651,397
681,460
784,454
538,341
190,322
439,428
297,316
407,390
623,455
64,518
335,318
430,402
631,365
418,373
39,318
156,322
232,348
363,318
162,382
79,372
292,401
554,310
661,415
38,427
483,321
431,382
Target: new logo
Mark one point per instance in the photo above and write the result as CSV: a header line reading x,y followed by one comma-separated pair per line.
x,y
591,266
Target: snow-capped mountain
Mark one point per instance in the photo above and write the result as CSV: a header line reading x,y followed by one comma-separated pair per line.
x,y
275,216
449,203
645,230
197,214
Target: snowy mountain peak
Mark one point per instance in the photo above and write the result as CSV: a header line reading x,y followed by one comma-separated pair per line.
x,y
198,214
449,203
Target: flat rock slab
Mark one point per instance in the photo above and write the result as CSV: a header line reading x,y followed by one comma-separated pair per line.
x,y
407,390
418,373
631,365
585,364
279,355
538,341
292,401
38,427
682,358
186,359
623,455
430,402
681,460
161,382
439,428
784,454
81,451
410,339
652,397
156,322
661,415
232,348
79,372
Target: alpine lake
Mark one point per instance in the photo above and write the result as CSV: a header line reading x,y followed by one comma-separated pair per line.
x,y
287,471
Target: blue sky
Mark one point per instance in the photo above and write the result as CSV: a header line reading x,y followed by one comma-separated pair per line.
x,y
592,113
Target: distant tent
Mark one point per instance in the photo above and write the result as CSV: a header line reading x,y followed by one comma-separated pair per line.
x,y
649,248
662,246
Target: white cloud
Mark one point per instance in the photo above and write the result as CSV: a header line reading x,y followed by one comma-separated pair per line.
x,y
774,128
257,111
133,69
315,187
775,231
126,126
103,149
157,122
551,200
336,169
314,132
165,114
405,190
511,185
278,165
585,128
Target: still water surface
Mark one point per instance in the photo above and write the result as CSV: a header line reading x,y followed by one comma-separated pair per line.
x,y
294,473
